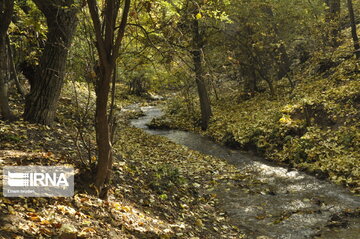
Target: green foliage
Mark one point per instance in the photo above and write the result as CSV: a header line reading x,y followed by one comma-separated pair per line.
x,y
10,138
315,127
165,178
27,32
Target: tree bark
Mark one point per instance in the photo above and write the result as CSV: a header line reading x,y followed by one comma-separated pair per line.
x,y
6,12
353,29
4,77
41,102
205,105
103,170
333,18
108,44
334,7
14,75
250,85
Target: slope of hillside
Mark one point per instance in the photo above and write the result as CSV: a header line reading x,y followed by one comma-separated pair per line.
x,y
314,127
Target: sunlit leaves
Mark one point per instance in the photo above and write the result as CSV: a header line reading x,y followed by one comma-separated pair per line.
x,y
27,31
316,127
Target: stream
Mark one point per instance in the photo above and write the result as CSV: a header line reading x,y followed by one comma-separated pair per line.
x,y
287,204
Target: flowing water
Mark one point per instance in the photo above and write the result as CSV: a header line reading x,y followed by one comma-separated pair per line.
x,y
285,204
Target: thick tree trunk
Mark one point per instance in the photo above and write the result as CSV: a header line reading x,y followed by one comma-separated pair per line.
x,y
4,77
205,105
41,102
6,11
353,28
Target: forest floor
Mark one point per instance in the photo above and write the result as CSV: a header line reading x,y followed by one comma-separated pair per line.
x,y
157,189
163,190
160,189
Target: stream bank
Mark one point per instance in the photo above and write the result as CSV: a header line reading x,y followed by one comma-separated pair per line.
x,y
269,200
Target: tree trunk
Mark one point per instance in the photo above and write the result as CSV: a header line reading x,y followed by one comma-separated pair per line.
x,y
333,18
4,77
250,82
14,75
334,8
41,102
108,45
103,171
6,11
268,81
353,28
284,62
205,106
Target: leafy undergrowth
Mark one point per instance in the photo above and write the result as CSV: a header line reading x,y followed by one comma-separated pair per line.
x,y
172,182
158,188
315,127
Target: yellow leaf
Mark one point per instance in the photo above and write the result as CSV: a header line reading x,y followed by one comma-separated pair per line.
x,y
35,219
198,16
7,201
31,210
11,210
45,222
199,223
86,222
89,229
